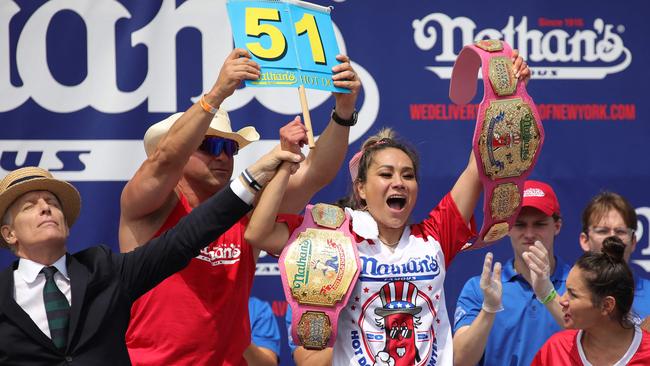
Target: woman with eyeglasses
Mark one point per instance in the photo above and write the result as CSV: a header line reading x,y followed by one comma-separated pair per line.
x,y
596,307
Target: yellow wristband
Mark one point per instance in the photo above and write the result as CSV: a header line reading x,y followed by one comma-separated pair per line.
x,y
206,106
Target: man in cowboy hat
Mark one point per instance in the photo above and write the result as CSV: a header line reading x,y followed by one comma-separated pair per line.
x,y
207,321
61,308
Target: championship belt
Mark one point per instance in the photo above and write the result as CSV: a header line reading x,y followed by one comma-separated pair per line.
x,y
508,135
319,269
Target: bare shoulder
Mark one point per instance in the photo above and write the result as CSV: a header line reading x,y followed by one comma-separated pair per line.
x,y
134,232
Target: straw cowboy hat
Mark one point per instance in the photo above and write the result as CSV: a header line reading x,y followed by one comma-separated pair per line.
x,y
27,179
219,126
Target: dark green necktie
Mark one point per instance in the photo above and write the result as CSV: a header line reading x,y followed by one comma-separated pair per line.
x,y
57,309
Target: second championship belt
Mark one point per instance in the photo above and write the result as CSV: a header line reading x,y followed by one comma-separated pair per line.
x,y
508,135
319,268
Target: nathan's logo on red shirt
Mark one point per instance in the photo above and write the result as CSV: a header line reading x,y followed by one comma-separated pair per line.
x,y
221,253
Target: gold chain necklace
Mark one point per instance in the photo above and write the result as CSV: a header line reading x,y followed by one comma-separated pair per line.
x,y
385,242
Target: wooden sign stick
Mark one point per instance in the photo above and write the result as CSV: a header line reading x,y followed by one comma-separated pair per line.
x,y
305,116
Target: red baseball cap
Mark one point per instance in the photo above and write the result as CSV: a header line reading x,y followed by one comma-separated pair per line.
x,y
540,196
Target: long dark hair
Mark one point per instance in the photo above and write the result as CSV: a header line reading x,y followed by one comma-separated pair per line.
x,y
607,274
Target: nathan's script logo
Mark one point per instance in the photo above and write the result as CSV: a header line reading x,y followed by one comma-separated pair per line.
x,y
302,272
425,267
102,33
112,36
601,45
220,254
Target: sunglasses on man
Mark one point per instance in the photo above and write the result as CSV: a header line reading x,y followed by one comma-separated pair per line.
x,y
214,145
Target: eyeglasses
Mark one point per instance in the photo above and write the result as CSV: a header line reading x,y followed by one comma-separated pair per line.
x,y
215,145
622,232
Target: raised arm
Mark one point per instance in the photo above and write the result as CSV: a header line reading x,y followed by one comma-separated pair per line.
x,y
147,265
324,161
262,232
152,187
470,340
467,189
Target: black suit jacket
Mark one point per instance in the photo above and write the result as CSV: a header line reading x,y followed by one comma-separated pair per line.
x,y
104,284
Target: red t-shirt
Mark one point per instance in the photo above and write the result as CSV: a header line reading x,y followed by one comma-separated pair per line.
x,y
198,316
564,348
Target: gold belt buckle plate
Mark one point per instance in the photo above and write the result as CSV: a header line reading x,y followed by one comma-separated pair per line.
x,y
496,232
328,216
320,266
501,76
314,330
505,201
489,45
509,138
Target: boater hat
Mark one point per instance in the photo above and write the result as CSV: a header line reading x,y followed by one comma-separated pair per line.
x,y
219,126
27,179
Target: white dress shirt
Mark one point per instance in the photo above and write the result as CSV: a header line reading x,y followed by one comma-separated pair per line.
x,y
28,289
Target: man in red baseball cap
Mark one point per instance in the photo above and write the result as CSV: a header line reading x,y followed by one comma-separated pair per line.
x,y
483,334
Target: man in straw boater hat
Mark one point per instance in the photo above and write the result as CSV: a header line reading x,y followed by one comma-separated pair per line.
x,y
61,308
200,315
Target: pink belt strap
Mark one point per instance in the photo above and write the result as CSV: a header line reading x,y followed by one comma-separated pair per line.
x,y
508,136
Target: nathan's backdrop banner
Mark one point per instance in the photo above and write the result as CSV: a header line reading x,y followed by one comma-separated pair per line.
x,y
81,81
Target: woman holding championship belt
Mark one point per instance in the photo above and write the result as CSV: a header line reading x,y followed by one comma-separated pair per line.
x,y
396,314
596,307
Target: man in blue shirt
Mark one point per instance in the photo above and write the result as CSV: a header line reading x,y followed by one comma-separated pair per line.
x,y
485,335
608,214
264,349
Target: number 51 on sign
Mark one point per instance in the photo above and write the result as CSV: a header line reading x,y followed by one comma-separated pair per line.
x,y
293,42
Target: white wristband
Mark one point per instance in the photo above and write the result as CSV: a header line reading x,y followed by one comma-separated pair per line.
x,y
241,191
491,310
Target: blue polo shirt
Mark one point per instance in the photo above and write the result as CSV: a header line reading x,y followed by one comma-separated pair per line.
x,y
264,327
522,328
641,306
